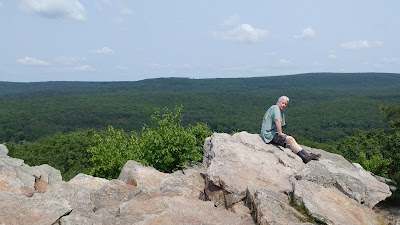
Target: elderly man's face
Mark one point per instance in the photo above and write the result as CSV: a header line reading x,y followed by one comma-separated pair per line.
x,y
282,104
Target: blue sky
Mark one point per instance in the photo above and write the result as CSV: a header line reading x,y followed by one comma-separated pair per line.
x,y
116,40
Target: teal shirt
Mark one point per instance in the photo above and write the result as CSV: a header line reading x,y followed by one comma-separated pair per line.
x,y
268,127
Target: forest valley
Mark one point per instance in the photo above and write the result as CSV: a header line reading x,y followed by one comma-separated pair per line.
x,y
95,127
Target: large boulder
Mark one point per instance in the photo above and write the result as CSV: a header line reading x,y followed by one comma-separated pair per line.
x,y
3,150
18,177
16,209
331,206
242,166
187,182
145,178
171,210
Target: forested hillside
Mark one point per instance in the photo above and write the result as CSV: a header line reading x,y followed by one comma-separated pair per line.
x,y
324,107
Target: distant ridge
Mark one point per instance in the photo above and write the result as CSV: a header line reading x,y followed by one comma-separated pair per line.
x,y
315,80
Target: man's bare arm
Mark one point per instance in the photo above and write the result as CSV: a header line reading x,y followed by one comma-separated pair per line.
x,y
278,123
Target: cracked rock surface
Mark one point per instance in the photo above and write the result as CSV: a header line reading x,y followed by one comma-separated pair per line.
x,y
242,181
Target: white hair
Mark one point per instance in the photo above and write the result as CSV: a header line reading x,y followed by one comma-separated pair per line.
x,y
283,98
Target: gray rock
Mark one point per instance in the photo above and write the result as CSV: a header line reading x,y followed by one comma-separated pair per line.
x,y
353,181
39,209
88,182
48,174
3,150
17,177
111,195
78,197
187,182
234,166
74,219
145,178
329,205
244,162
177,210
271,207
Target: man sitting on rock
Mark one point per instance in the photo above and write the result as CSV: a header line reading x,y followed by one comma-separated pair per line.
x,y
271,131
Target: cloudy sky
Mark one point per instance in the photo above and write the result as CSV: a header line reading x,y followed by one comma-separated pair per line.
x,y
129,40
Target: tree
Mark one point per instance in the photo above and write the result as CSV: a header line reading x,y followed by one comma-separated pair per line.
x,y
392,145
392,115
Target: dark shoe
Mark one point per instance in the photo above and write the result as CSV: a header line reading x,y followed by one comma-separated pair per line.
x,y
315,156
303,155
306,159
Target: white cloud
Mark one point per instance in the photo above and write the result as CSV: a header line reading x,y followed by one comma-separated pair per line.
x,y
154,65
332,56
56,9
356,44
233,30
242,33
104,50
123,14
360,44
121,67
284,61
157,65
307,33
32,62
126,12
84,68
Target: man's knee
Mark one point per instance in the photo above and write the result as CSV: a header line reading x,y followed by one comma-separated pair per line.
x,y
290,139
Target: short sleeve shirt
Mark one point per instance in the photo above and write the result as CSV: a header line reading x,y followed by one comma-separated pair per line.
x,y
268,127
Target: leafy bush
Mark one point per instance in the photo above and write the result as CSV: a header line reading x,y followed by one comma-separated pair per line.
x,y
367,148
166,145
110,152
65,152
377,151
368,142
375,164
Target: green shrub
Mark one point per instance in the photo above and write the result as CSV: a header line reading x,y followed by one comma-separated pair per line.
x,y
369,142
166,145
111,151
367,148
65,152
375,164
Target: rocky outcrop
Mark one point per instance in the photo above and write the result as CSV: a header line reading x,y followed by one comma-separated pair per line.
x,y
272,179
241,181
